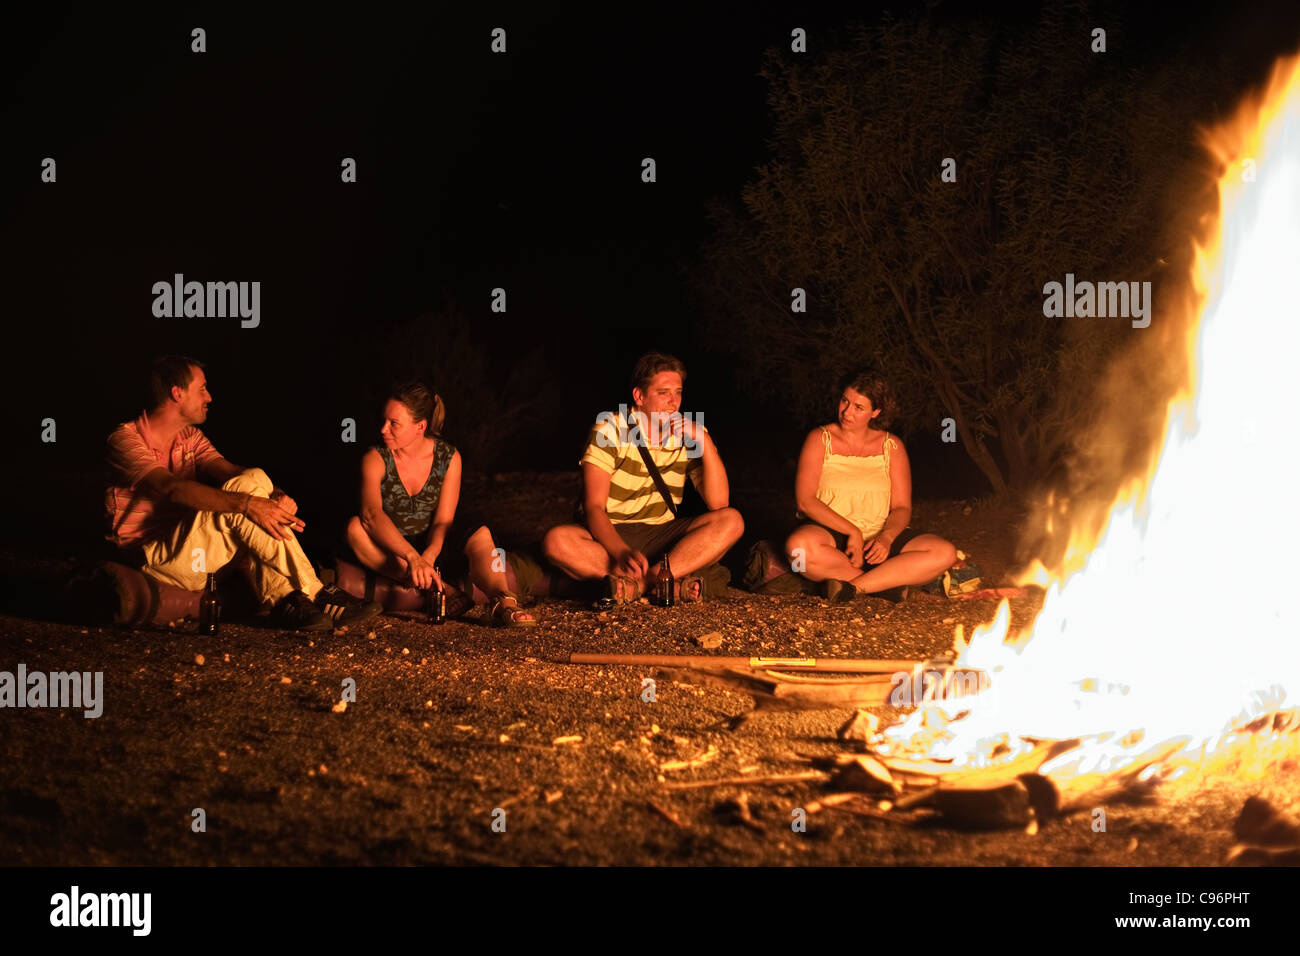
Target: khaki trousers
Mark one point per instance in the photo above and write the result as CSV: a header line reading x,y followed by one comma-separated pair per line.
x,y
209,541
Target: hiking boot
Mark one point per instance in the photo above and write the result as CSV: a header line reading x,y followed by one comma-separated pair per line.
x,y
344,609
296,612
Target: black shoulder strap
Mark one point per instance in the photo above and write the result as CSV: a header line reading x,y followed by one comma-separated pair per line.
x,y
654,473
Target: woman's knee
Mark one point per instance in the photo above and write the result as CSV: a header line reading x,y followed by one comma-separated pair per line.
x,y
480,540
356,532
796,544
941,551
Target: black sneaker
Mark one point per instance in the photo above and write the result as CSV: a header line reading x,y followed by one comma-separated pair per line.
x,y
296,612
344,609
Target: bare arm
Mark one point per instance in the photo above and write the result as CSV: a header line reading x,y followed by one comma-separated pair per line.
x,y
218,471
805,487
266,514
448,499
376,522
713,485
900,503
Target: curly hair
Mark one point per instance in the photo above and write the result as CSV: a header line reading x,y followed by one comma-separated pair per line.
x,y
874,386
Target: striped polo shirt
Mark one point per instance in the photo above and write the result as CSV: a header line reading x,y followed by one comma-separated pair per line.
x,y
632,492
134,516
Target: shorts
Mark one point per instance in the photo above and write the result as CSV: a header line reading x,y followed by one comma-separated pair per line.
x,y
653,540
842,540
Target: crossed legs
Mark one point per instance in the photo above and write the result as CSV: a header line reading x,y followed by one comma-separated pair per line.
x,y
919,561
211,540
572,549
487,568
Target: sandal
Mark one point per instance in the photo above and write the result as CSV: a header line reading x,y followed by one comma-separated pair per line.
x,y
707,583
502,614
622,590
694,582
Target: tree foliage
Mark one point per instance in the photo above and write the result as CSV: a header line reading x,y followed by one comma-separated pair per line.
x,y
1064,163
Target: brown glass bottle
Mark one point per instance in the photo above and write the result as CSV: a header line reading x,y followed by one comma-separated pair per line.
x,y
438,604
209,607
665,592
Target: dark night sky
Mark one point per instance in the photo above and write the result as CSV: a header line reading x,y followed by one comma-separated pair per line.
x,y
475,171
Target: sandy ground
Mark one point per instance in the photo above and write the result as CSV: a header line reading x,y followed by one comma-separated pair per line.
x,y
458,726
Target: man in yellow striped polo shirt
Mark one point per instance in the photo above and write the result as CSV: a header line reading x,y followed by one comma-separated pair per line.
x,y
629,524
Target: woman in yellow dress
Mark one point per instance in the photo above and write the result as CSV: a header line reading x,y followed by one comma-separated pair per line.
x,y
853,489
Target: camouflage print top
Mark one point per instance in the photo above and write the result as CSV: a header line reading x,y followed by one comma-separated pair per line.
x,y
413,515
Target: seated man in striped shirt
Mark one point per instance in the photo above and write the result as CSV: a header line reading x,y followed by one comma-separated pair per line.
x,y
629,523
166,516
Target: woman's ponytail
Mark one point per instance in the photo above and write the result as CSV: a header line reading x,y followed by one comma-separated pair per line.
x,y
438,415
424,405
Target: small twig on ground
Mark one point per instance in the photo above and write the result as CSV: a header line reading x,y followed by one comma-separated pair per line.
x,y
706,757
667,814
747,781
862,811
831,800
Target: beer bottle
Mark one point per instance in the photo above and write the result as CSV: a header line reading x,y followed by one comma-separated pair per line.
x,y
438,603
664,590
209,607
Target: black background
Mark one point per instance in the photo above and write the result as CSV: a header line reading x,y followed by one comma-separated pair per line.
x,y
475,170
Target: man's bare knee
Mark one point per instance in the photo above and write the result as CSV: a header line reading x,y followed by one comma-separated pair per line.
x,y
557,544
729,525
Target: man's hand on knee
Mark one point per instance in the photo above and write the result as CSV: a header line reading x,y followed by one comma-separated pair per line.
x,y
284,501
272,518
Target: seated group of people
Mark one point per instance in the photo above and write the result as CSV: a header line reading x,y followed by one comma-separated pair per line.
x,y
178,510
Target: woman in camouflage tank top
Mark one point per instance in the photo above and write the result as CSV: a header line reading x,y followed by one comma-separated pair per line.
x,y
410,487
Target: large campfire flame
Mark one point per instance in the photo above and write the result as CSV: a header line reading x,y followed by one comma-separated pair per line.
x,y
1176,623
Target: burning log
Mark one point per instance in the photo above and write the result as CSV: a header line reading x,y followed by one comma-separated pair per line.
x,y
1060,787
991,806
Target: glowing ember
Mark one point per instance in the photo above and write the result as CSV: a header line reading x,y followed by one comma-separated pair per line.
x,y
1176,623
